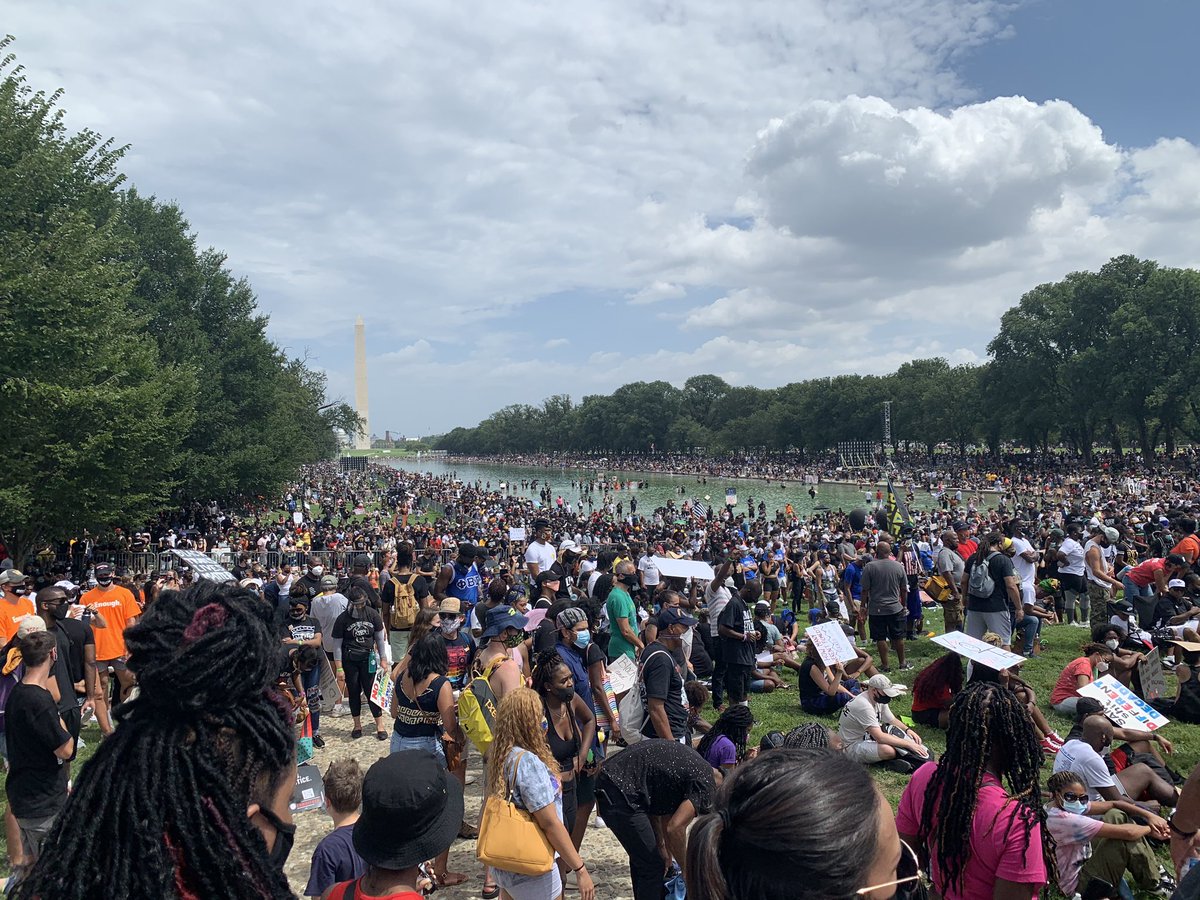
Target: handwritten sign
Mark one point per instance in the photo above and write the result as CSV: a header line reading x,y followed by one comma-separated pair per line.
x,y
204,566
1125,708
978,651
309,792
381,687
516,534
684,568
831,643
622,674
1150,671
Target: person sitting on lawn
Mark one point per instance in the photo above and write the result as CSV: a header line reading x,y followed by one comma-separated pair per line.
x,y
1083,756
934,690
1125,660
1078,673
824,689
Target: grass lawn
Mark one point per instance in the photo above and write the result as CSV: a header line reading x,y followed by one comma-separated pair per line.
x,y
781,710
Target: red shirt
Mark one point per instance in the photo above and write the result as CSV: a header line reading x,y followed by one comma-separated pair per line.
x,y
1065,686
966,549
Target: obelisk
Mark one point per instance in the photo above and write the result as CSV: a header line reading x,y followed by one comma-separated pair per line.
x,y
362,440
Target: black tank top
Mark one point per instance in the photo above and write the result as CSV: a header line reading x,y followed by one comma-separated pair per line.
x,y
563,749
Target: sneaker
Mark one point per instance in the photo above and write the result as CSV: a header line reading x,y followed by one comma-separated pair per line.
x,y
1049,746
906,667
341,709
470,779
600,822
318,741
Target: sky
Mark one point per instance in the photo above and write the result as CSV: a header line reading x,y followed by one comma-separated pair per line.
x,y
524,199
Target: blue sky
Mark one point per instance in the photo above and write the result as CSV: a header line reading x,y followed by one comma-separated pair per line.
x,y
521,203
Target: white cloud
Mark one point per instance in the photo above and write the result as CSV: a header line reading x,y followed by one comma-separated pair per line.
x,y
796,184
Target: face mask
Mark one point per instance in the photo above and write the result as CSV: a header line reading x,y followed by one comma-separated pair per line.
x,y
450,628
1112,644
514,641
582,639
104,582
564,693
629,580
317,571
884,699
1102,668
297,614
285,836
1079,807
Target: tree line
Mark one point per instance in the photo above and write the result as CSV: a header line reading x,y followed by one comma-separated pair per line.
x,y
1100,358
136,373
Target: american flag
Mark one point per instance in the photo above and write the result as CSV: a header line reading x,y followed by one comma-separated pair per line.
x,y
699,509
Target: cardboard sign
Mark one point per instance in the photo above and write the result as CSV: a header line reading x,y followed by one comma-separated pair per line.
x,y
382,686
516,534
977,651
622,674
1187,646
309,792
831,642
1125,708
331,693
683,568
1150,671
204,566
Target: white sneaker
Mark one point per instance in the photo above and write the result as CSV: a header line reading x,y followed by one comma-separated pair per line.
x,y
600,822
339,711
470,779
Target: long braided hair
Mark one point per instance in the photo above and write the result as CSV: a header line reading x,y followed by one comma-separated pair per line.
x,y
988,725
735,723
160,810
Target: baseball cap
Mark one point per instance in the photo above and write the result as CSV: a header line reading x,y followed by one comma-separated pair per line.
x,y
13,576
670,615
329,582
1177,583
884,685
450,605
29,625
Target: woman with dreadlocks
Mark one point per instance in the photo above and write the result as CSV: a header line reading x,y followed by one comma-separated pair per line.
x,y
724,746
977,813
189,797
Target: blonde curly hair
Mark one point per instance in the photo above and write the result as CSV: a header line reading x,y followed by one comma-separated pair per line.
x,y
520,722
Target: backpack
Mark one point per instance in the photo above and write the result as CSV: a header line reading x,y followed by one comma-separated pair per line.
x,y
477,708
981,583
632,711
404,603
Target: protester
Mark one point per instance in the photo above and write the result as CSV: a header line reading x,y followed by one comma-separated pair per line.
x,y
976,814
1083,756
200,771
357,632
780,828
1099,841
15,603
75,664
735,628
334,859
934,691
411,809
884,590
521,766
648,795
622,614
662,677
873,734
824,689
724,745
119,611
813,736
1078,673
991,588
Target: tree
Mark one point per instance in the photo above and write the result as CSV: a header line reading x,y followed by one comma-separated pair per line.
x,y
92,415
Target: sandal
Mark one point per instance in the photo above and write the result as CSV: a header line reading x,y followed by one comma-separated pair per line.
x,y
490,892
355,734
450,879
468,831
381,735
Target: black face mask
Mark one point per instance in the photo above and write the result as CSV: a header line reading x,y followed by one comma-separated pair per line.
x,y
564,693
285,837
630,580
884,699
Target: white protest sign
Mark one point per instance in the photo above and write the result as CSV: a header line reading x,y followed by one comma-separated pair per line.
x,y
831,643
978,651
204,566
622,674
683,568
1125,708
516,534
298,518
331,692
1150,671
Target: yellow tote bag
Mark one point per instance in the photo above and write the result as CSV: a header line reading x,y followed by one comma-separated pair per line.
x,y
509,838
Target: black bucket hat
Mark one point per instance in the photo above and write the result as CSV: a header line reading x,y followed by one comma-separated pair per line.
x,y
412,809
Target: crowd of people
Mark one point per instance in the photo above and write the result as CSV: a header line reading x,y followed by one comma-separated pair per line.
x,y
599,690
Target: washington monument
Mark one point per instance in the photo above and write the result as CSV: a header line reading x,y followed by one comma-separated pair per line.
x,y
362,440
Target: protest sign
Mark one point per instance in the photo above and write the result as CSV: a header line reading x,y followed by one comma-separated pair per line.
x,y
978,651
309,792
331,693
622,674
205,567
1150,671
731,496
1125,708
381,687
297,518
534,618
516,534
831,643
683,568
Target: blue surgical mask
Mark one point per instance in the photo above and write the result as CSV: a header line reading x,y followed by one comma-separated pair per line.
x,y
582,639
1079,807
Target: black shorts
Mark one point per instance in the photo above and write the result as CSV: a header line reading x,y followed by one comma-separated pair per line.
x,y
927,717
888,628
770,584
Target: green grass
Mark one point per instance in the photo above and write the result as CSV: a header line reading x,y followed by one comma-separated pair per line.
x,y
780,711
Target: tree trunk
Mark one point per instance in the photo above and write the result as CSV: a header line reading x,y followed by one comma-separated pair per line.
x,y
1144,438
1170,440
1114,438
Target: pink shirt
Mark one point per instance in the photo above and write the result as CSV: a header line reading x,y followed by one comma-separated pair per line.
x,y
997,839
1143,573
1073,840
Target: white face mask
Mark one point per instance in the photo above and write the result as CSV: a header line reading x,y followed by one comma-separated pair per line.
x,y
1112,643
317,570
1102,668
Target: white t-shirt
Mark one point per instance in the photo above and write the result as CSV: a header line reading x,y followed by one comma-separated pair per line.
x,y
715,597
859,716
1025,569
542,555
1080,758
648,568
1091,577
1073,551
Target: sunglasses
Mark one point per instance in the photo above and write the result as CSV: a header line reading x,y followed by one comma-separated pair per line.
x,y
1072,797
908,872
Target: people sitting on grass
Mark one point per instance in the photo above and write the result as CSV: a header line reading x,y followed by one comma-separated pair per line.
x,y
1100,841
1082,755
1078,673
824,689
1186,705
1125,659
934,690
1136,746
872,733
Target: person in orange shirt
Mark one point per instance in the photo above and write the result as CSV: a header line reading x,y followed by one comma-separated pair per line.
x,y
15,603
120,610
